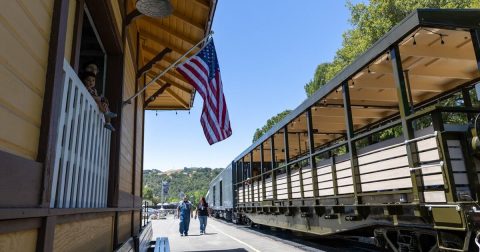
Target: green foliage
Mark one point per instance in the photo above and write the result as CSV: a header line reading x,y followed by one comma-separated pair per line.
x,y
318,80
190,181
270,123
370,22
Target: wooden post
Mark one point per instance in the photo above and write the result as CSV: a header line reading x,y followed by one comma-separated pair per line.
x,y
52,97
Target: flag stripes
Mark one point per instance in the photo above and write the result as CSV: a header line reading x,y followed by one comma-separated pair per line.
x,y
203,73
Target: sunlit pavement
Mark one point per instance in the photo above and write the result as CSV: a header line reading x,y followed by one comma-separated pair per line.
x,y
219,237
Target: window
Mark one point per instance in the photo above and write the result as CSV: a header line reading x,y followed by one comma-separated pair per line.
x,y
214,199
92,51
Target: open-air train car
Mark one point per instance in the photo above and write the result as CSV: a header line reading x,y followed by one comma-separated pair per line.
x,y
384,149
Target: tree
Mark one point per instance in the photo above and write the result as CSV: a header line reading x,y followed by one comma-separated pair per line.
x,y
319,79
147,193
270,123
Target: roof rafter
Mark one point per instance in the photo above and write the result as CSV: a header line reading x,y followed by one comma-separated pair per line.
x,y
174,84
187,20
152,37
168,30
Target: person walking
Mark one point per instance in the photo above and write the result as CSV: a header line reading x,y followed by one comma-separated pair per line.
x,y
202,213
184,212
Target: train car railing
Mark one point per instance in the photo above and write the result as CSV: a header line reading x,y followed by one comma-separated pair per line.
x,y
80,174
383,169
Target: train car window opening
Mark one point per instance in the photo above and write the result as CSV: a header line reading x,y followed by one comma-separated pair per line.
x,y
267,155
298,143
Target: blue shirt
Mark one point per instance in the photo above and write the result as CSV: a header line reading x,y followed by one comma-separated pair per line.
x,y
185,209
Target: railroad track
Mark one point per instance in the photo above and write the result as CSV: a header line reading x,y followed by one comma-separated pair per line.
x,y
311,242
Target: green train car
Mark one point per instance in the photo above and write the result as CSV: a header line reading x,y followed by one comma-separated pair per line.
x,y
387,149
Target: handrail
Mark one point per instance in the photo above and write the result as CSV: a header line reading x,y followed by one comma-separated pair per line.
x,y
430,206
426,166
82,151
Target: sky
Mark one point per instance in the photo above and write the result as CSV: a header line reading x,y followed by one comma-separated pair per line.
x,y
267,51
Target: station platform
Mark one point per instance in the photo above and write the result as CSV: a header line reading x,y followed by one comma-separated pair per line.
x,y
219,236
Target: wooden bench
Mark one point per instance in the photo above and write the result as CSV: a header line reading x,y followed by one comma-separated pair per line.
x,y
145,238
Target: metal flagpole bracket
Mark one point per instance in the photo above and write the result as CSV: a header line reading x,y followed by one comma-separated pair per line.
x,y
129,100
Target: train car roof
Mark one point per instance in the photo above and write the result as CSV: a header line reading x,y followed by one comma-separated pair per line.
x,y
216,177
436,49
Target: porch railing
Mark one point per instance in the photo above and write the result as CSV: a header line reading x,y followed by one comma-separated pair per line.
x,y
80,174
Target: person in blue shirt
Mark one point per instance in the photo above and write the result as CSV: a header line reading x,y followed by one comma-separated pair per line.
x,y
184,213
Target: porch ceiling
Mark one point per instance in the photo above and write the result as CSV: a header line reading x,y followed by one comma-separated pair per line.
x,y
189,23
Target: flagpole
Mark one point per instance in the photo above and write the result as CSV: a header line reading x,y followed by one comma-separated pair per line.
x,y
129,100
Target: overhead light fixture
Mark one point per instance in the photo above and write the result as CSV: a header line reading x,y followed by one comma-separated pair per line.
x,y
352,85
441,39
368,69
414,41
154,8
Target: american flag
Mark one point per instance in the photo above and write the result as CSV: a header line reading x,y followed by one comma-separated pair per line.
x,y
203,72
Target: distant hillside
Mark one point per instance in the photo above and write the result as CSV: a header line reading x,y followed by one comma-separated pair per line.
x,y
191,181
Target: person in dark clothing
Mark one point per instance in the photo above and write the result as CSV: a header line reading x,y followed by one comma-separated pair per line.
x,y
184,212
202,213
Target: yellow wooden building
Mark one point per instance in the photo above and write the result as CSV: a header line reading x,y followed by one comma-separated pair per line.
x,y
66,182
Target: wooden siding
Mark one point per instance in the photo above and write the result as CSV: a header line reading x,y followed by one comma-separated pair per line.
x,y
117,15
90,235
25,31
19,241
124,225
126,151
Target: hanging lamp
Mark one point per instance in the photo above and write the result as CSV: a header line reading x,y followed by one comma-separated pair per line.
x,y
154,8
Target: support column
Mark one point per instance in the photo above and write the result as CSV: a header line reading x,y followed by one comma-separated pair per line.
x,y
287,167
352,150
300,169
408,132
311,142
252,183
274,175
262,172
